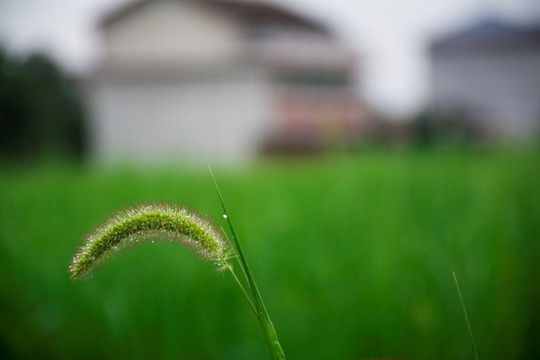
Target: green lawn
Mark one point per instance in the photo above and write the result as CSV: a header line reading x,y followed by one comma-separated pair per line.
x,y
353,256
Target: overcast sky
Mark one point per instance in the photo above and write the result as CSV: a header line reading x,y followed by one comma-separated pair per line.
x,y
390,36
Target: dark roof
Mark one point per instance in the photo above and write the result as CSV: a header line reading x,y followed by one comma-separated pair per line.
x,y
249,11
490,36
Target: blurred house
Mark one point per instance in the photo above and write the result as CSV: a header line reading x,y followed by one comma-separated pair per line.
x,y
490,75
218,80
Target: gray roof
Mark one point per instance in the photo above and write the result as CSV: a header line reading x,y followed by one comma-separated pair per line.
x,y
490,36
252,13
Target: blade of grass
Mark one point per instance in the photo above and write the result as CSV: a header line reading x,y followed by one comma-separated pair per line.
x,y
264,319
466,317
238,282
230,269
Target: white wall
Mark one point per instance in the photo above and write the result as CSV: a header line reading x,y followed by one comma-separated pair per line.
x,y
180,117
180,32
172,86
506,87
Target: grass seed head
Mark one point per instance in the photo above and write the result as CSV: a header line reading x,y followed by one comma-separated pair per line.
x,y
150,222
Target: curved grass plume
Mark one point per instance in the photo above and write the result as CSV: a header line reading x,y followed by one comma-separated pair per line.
x,y
150,222
166,222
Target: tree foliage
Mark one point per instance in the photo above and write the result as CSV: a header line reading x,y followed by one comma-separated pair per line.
x,y
41,111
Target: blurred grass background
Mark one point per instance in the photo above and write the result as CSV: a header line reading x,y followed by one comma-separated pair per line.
x,y
353,256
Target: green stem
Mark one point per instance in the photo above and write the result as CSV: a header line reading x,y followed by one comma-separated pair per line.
x,y
466,318
264,319
243,290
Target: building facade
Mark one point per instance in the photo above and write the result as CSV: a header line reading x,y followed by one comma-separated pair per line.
x,y
218,81
490,73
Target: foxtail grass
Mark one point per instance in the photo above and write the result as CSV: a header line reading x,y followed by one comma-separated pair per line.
x,y
150,223
169,222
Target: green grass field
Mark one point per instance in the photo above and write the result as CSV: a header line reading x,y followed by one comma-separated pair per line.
x,y
353,256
